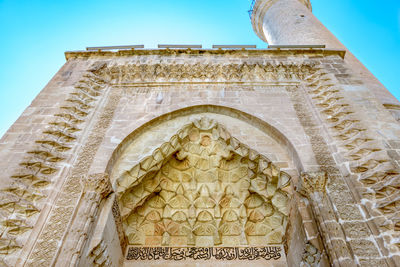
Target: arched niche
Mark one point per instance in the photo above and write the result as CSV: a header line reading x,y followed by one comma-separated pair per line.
x,y
203,188
230,117
244,198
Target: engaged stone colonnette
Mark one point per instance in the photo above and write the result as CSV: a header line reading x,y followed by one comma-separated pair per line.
x,y
191,156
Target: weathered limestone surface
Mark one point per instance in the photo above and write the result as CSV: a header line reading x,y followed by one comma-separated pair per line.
x,y
207,157
187,148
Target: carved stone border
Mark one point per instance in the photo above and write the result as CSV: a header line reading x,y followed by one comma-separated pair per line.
x,y
49,241
322,90
39,170
371,175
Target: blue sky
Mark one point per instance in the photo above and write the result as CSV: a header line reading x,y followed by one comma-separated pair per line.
x,y
34,35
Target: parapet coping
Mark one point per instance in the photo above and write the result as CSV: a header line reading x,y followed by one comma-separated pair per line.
x,y
313,52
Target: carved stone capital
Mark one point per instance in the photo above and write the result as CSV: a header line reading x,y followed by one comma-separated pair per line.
x,y
312,182
99,183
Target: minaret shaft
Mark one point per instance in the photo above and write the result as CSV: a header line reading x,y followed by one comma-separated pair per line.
x,y
291,22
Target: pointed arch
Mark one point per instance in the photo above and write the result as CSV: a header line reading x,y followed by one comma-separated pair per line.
x,y
170,197
287,139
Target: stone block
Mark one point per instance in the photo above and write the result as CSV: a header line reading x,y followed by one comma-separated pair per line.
x,y
364,248
356,230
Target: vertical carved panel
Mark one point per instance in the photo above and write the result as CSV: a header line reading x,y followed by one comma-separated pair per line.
x,y
313,186
96,188
55,228
331,233
376,176
22,200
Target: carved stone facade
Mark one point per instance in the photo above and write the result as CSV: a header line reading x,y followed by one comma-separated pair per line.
x,y
185,157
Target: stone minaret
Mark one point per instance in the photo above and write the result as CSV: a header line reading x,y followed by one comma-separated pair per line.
x,y
291,22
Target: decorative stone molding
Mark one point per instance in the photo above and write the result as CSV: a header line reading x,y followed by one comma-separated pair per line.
x,y
176,53
118,222
100,256
312,185
365,158
71,188
200,71
97,187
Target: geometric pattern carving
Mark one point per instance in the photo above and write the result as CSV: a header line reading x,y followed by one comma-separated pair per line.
x,y
22,201
364,154
59,223
204,188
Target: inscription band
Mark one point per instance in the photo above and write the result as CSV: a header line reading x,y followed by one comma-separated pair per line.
x,y
198,253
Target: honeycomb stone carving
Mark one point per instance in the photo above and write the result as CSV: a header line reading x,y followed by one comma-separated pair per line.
x,y
204,188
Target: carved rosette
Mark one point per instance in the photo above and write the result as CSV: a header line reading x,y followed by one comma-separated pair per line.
x,y
311,256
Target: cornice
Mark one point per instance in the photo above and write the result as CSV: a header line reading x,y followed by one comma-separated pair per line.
x,y
207,52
